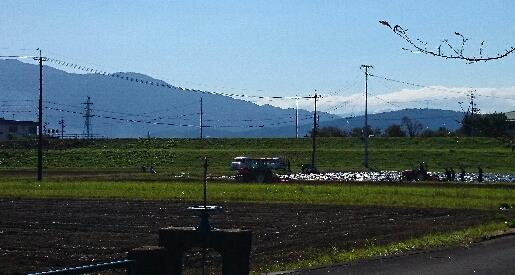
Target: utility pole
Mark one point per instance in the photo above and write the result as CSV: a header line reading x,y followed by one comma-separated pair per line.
x,y
472,110
40,59
296,118
61,122
87,118
365,158
201,119
314,133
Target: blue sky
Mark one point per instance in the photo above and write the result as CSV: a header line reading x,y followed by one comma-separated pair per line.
x,y
275,47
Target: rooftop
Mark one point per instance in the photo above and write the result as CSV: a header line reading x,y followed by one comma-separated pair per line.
x,y
17,122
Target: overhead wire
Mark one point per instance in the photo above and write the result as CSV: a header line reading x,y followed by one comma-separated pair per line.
x,y
190,116
434,88
153,122
162,84
165,79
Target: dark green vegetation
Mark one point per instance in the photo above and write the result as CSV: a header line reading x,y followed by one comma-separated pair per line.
x,y
182,156
424,196
487,125
480,125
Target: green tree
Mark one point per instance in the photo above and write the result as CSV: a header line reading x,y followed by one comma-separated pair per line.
x,y
357,132
412,127
440,132
360,132
487,125
394,130
443,132
428,133
330,131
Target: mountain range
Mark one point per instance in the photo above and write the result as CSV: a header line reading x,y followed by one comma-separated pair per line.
x,y
136,105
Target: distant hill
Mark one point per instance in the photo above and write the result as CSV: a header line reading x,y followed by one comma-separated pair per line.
x,y
116,99
429,118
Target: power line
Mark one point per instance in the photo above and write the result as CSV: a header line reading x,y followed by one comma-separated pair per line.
x,y
119,119
385,101
154,122
215,87
276,121
162,84
425,100
12,111
189,116
413,84
122,113
16,100
433,88
39,58
18,49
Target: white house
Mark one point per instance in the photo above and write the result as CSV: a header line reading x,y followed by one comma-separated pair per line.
x,y
510,116
16,128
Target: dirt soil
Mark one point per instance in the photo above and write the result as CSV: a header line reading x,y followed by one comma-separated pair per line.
x,y
38,235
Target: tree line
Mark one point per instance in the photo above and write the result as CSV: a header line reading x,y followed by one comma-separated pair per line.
x,y
484,125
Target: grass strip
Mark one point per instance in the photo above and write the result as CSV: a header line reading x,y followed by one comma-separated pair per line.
x,y
427,196
430,241
176,156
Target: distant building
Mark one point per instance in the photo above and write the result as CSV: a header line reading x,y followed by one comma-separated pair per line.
x,y
510,116
15,128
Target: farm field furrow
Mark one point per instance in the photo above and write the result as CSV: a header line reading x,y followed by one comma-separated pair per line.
x,y
39,234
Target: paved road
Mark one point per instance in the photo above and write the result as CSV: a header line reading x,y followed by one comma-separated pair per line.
x,y
495,256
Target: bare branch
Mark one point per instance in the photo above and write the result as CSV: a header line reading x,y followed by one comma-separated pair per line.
x,y
456,52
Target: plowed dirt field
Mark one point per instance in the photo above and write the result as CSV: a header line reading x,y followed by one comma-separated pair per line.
x,y
41,234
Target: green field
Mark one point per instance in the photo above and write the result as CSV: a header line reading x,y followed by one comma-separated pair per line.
x,y
115,166
183,156
425,196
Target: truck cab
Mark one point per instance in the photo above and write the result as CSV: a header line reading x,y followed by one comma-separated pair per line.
x,y
239,163
258,169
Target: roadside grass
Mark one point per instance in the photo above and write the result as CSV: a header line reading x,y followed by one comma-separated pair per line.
x,y
426,242
177,156
424,196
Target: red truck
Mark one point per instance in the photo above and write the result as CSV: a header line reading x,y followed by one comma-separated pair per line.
x,y
258,169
